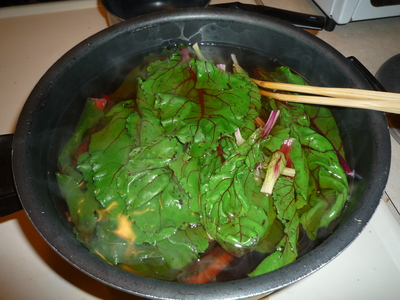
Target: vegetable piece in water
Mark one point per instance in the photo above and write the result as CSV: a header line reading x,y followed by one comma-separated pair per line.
x,y
180,167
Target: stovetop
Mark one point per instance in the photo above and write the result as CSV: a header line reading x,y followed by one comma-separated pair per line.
x,y
33,37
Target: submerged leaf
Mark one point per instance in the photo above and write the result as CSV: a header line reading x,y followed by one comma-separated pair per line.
x,y
230,214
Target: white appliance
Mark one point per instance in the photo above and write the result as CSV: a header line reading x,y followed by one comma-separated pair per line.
x,y
345,11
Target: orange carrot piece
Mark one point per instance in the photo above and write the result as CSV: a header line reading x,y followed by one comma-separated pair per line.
x,y
215,262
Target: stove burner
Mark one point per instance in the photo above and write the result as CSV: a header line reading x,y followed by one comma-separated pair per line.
x,y
389,76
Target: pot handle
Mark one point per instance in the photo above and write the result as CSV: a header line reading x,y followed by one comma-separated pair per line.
x,y
375,84
305,21
9,200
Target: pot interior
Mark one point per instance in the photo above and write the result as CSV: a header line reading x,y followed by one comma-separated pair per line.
x,y
98,65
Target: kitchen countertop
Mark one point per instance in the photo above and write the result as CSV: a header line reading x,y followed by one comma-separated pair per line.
x,y
33,37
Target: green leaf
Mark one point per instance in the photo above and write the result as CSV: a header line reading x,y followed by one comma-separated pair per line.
x,y
89,118
273,236
150,123
286,207
187,173
301,178
291,77
327,186
81,203
165,172
276,260
276,138
286,250
323,121
152,192
229,213
284,196
209,104
109,149
183,247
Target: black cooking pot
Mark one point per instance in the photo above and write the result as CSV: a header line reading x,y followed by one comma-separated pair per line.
x,y
98,64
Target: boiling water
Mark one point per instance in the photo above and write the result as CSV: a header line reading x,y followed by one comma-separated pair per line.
x,y
249,60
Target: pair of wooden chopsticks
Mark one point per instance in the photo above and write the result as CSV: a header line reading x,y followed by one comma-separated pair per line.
x,y
344,97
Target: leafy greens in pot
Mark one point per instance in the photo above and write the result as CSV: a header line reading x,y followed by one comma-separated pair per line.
x,y
186,161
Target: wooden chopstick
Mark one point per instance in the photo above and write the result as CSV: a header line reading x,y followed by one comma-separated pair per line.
x,y
345,97
379,105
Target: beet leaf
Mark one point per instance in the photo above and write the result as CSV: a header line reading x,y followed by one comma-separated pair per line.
x,y
177,161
